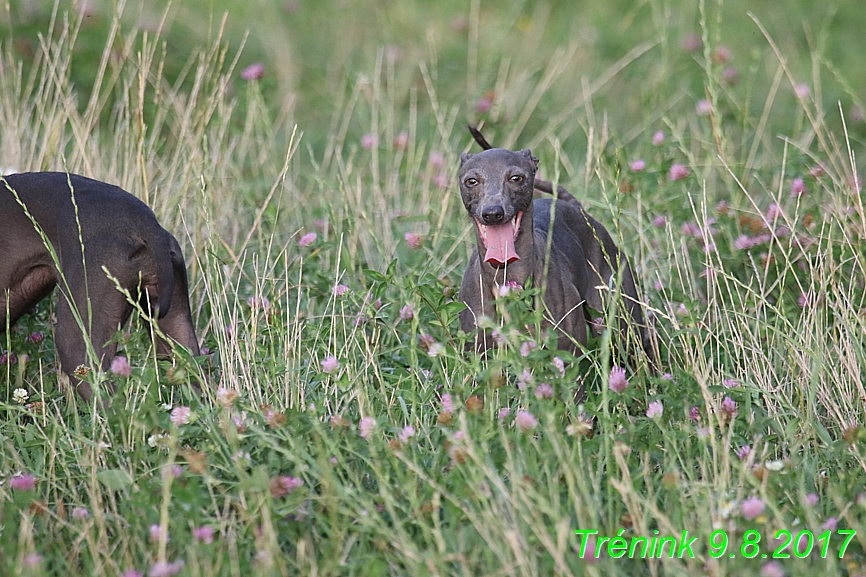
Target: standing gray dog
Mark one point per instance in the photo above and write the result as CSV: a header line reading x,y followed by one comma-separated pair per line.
x,y
117,231
511,231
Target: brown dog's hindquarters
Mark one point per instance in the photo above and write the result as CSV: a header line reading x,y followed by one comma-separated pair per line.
x,y
118,233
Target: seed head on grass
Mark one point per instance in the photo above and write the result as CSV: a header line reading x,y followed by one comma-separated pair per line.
x,y
617,382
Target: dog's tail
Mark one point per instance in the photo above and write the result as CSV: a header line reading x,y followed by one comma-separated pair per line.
x,y
542,185
479,138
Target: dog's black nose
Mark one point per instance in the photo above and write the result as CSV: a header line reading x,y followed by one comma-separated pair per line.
x,y
493,214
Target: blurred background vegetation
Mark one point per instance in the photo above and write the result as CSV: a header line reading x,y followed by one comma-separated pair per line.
x,y
316,52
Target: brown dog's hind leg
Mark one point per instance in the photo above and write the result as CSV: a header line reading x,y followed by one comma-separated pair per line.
x,y
109,310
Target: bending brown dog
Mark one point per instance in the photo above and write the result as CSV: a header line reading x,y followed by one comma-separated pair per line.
x,y
90,225
512,229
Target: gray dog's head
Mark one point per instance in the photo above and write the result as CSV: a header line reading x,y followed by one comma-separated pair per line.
x,y
497,189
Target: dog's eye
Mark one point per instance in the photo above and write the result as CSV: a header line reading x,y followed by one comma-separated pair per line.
x,y
516,178
470,182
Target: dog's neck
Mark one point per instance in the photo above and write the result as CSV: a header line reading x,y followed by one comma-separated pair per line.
x,y
518,271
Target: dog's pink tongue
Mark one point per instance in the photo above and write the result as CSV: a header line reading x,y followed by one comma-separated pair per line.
x,y
500,244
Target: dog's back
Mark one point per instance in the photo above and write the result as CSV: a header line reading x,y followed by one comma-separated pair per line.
x,y
74,210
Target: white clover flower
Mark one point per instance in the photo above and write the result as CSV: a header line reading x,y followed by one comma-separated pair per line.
x,y
20,396
157,440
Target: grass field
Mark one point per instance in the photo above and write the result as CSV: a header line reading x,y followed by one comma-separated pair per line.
x,y
305,155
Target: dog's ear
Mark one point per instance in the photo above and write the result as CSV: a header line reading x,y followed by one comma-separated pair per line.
x,y
528,154
464,157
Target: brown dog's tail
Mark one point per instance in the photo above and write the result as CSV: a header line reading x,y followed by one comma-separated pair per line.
x,y
542,185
